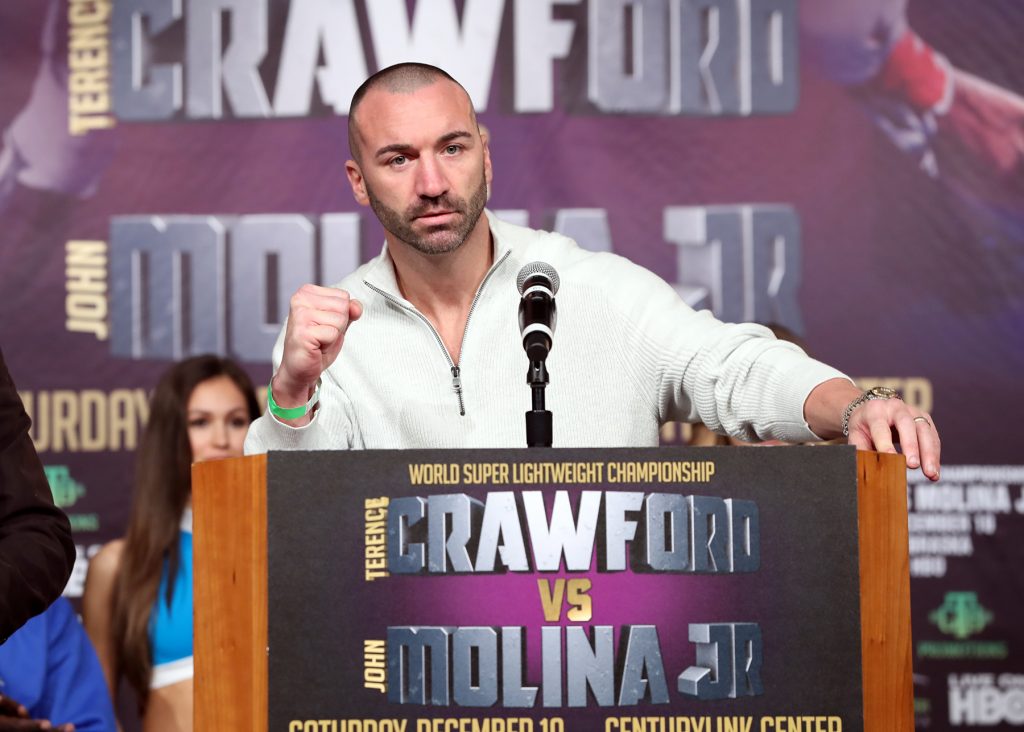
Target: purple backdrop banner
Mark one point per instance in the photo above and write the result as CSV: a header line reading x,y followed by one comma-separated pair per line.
x,y
852,169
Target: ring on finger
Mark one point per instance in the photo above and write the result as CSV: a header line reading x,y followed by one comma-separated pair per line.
x,y
923,419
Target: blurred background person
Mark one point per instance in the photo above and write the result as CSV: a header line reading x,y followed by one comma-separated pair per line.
x,y
137,603
49,673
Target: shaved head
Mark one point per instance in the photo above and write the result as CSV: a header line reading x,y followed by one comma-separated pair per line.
x,y
404,78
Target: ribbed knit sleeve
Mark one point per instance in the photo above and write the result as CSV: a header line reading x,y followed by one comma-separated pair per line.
x,y
736,378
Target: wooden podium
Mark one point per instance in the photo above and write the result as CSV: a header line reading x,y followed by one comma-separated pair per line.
x,y
230,501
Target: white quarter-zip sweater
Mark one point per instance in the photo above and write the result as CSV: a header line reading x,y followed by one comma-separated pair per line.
x,y
628,355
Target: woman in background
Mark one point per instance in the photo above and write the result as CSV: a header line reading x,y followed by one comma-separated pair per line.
x,y
138,617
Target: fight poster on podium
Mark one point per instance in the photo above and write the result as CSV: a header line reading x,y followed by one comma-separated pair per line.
x,y
624,590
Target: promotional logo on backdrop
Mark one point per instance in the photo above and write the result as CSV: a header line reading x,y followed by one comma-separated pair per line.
x,y
961,615
986,699
65,489
66,492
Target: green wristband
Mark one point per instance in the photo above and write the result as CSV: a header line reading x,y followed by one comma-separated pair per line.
x,y
293,412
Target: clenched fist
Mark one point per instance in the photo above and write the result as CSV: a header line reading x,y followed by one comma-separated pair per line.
x,y
318,318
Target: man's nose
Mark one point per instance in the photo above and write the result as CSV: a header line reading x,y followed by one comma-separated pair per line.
x,y
431,180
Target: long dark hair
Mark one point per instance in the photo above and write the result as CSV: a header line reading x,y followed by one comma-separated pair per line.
x,y
163,486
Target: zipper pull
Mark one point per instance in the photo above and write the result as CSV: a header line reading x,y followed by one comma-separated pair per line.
x,y
457,385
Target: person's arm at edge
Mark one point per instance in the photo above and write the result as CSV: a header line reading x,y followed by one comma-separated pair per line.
x,y
37,552
75,682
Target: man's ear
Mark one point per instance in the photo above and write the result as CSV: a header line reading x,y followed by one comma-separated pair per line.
x,y
488,173
355,179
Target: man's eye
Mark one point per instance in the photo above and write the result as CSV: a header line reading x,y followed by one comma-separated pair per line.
x,y
452,149
398,160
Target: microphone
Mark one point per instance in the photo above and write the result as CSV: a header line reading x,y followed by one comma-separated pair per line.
x,y
537,283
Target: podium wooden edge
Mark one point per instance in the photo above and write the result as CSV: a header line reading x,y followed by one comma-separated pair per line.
x,y
886,651
229,499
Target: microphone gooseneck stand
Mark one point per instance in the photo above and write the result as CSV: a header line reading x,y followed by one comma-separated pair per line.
x,y
537,283
538,419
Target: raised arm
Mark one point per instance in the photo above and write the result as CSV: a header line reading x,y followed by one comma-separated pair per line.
x,y
317,320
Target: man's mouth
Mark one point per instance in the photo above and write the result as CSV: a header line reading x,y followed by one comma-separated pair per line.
x,y
431,217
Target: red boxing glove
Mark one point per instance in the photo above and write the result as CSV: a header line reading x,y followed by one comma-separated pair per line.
x,y
917,74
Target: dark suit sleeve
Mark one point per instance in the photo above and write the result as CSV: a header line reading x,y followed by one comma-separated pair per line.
x,y
36,549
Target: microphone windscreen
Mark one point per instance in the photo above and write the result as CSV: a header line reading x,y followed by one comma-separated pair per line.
x,y
537,268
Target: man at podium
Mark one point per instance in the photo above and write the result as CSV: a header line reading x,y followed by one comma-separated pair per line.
x,y
420,347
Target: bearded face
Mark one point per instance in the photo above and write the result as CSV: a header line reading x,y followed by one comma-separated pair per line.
x,y
433,225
